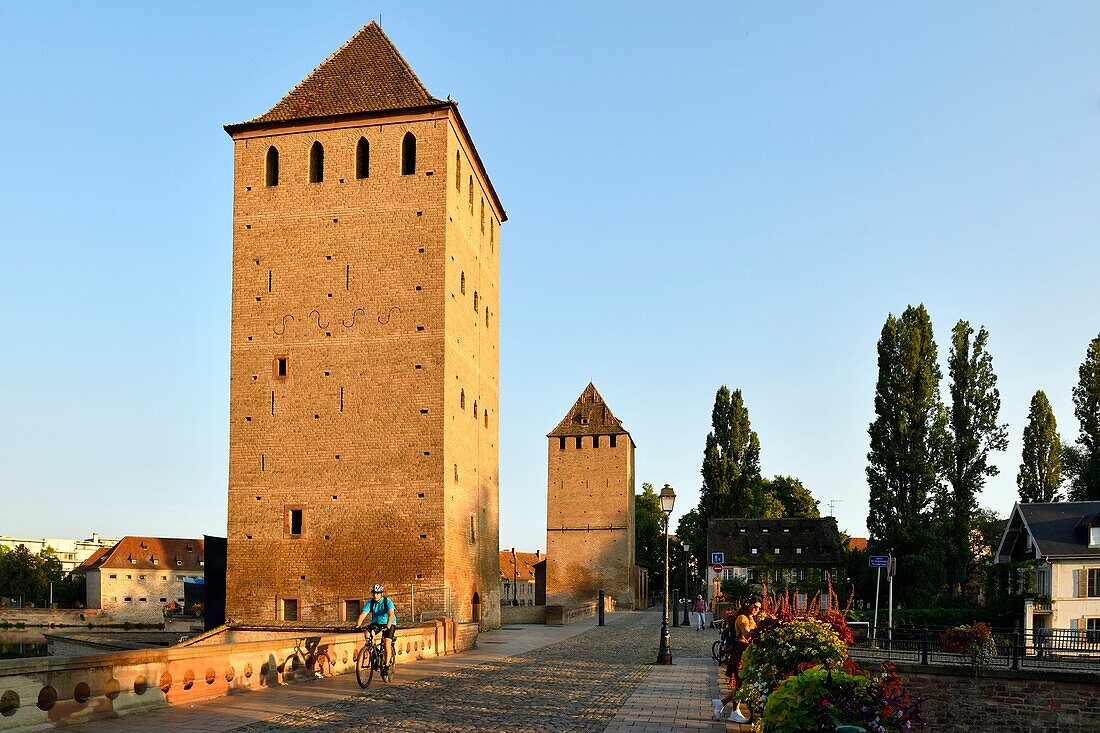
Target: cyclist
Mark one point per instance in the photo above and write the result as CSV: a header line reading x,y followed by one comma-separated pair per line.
x,y
382,616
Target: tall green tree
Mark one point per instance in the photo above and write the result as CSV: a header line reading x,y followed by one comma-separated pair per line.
x,y
906,441
791,497
649,540
1040,475
973,432
731,460
1082,463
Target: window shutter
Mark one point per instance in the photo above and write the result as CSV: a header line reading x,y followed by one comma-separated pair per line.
x,y
1082,583
1082,626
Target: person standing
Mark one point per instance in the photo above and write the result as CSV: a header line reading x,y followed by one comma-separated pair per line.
x,y
699,608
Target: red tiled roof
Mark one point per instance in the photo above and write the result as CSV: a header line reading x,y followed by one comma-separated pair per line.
x,y
590,415
170,553
857,543
366,74
525,565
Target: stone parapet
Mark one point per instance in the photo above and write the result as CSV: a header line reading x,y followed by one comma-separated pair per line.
x,y
45,692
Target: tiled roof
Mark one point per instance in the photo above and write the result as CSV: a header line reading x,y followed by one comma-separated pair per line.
x,y
818,539
1061,528
366,74
590,415
525,564
139,553
857,543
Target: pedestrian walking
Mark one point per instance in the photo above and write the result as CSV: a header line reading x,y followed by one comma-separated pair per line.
x,y
744,623
699,608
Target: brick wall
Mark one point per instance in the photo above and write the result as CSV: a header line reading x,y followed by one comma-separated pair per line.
x,y
1005,702
356,283
590,493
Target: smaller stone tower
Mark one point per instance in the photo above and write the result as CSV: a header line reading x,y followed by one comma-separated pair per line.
x,y
590,506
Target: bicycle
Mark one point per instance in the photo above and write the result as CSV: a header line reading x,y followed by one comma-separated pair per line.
x,y
370,659
722,648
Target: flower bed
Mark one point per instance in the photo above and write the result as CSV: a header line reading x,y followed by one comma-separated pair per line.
x,y
798,678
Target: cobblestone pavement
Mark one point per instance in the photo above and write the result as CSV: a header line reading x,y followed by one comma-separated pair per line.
x,y
578,684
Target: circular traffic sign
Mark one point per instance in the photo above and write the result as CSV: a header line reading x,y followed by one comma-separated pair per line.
x,y
717,568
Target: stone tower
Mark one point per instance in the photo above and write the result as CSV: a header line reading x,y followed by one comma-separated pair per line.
x,y
364,358
590,506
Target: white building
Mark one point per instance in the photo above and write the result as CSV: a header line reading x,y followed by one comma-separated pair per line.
x,y
1061,541
70,552
136,578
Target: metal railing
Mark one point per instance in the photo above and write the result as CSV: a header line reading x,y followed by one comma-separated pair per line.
x,y
1069,650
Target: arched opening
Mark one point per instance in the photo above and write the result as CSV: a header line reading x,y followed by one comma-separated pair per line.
x,y
408,154
316,163
271,167
362,158
476,608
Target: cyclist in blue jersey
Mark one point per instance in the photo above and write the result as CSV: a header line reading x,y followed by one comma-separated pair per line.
x,y
380,615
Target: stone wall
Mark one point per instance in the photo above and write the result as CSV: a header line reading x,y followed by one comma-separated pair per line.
x,y
1005,701
522,615
49,692
47,617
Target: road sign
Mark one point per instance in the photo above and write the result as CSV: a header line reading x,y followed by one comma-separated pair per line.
x,y
878,561
717,557
717,569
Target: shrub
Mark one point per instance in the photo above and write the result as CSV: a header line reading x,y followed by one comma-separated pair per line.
x,y
820,699
781,651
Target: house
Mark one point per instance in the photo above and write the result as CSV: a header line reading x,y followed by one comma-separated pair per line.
x,y
1055,549
136,578
518,577
799,553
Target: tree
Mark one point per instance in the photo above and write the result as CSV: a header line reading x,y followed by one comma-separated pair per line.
x,y
1082,464
1040,475
793,499
906,440
21,575
973,431
692,528
731,460
649,539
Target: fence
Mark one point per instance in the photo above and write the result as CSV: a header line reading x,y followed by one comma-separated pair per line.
x,y
1067,650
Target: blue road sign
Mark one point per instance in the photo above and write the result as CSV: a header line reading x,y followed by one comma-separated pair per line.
x,y
717,558
878,561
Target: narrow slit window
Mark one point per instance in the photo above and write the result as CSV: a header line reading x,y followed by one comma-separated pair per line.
x,y
296,521
486,318
462,283
347,277
462,399
471,194
475,409
561,443
578,441
483,215
316,163
595,441
341,399
612,440
362,158
281,366
473,529
271,167
458,170
485,414
475,301
408,154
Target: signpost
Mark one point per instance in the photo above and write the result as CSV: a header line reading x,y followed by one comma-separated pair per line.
x,y
718,558
717,569
879,562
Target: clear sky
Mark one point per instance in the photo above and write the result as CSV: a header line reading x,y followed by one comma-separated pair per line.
x,y
735,193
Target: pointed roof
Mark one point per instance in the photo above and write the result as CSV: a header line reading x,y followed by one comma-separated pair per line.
x,y
147,553
590,415
366,74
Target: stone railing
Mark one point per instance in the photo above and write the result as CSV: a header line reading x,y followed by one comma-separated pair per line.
x,y
522,615
565,615
42,692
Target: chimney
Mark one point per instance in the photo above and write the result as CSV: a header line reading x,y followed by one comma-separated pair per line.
x,y
538,554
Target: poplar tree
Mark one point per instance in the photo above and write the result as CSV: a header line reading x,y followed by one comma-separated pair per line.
x,y
1084,463
973,431
905,443
731,461
1040,475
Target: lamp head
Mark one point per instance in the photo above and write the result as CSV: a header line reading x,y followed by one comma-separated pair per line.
x,y
668,499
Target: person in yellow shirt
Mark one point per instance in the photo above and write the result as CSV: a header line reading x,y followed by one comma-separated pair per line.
x,y
744,623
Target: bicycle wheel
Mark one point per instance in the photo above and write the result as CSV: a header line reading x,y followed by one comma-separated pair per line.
x,y
364,666
716,651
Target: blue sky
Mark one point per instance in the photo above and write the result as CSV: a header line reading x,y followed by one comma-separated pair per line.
x,y
721,194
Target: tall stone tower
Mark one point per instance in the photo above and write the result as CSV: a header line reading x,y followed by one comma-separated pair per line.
x,y
364,358
590,506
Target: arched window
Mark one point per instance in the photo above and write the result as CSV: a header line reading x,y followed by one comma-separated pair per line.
x,y
462,283
408,154
458,170
316,163
362,158
271,168
462,399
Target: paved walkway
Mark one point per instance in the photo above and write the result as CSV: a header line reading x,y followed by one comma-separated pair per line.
x,y
520,678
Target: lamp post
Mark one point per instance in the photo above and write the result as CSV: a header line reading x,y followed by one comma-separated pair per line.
x,y
515,578
664,653
687,594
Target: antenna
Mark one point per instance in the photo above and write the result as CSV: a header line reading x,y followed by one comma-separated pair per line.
x,y
380,20
832,505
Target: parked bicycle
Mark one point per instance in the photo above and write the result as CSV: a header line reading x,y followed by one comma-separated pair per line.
x,y
722,648
371,659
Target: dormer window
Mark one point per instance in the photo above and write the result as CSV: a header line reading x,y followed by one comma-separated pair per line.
x,y
764,530
755,551
179,563
741,530
1094,536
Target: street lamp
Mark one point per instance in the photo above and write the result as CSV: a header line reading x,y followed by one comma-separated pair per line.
x,y
668,500
687,593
